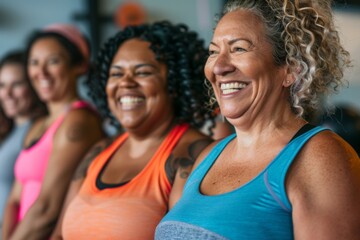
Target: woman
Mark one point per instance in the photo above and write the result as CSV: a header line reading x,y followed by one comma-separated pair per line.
x,y
151,77
19,107
56,57
276,177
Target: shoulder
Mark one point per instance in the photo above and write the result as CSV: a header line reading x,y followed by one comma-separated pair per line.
x,y
84,114
94,151
83,119
192,142
327,147
80,125
205,152
327,165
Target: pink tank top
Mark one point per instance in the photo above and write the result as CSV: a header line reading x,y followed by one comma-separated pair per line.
x,y
31,164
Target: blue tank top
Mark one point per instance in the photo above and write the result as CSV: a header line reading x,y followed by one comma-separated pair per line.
x,y
259,209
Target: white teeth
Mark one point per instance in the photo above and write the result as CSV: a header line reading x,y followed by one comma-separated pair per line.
x,y
232,86
227,91
130,100
44,83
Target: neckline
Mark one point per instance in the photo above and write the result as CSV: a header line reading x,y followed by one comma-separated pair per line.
x,y
116,146
230,138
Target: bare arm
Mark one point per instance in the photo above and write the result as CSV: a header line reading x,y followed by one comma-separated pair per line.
x,y
180,163
11,211
77,181
324,188
71,142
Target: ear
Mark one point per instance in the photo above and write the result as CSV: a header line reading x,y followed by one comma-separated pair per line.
x,y
289,78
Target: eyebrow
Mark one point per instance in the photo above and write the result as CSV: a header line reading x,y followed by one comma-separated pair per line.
x,y
137,66
234,40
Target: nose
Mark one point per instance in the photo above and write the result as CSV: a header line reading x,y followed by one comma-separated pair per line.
x,y
223,65
43,70
127,81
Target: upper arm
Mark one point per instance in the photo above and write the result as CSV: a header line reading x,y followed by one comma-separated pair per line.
x,y
78,179
71,141
324,189
185,154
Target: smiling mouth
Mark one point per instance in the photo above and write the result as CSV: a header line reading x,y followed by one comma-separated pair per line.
x,y
129,101
228,88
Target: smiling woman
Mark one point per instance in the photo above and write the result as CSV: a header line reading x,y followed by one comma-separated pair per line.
x,y
20,106
150,80
270,62
56,56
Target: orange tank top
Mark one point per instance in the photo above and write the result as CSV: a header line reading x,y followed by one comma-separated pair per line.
x,y
130,211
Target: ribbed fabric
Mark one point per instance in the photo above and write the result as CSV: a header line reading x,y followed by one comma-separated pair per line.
x,y
30,166
129,211
259,209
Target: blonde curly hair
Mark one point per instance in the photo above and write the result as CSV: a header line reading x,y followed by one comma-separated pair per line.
x,y
304,37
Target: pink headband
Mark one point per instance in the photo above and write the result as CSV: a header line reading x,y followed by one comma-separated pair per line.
x,y
73,35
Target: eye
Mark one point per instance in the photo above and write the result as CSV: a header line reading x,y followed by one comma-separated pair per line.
x,y
32,62
19,84
54,61
116,74
143,73
238,50
212,52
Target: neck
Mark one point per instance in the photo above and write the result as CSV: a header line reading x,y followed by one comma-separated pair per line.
x,y
262,128
152,134
21,120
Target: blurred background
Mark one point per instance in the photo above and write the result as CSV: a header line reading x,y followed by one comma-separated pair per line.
x,y
100,19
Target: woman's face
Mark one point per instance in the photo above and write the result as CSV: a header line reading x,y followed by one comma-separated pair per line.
x,y
241,68
15,95
137,87
50,70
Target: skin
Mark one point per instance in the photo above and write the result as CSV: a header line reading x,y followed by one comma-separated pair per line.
x,y
54,79
5,125
136,73
15,95
323,182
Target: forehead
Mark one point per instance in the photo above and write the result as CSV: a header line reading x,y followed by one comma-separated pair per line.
x,y
240,23
11,71
49,44
134,49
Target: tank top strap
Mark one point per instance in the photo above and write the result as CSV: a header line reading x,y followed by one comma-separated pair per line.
x,y
199,172
81,104
170,142
275,174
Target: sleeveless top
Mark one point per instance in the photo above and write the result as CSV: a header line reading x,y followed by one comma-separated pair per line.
x,y
260,209
30,167
129,211
10,148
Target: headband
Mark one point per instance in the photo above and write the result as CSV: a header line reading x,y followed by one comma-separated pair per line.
x,y
73,35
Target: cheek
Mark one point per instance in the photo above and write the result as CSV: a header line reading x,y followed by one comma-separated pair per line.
x,y
110,89
31,72
208,69
22,92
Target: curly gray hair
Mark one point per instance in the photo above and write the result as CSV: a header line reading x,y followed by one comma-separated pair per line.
x,y
304,37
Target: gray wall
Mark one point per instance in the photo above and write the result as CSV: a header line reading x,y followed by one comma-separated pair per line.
x,y
19,17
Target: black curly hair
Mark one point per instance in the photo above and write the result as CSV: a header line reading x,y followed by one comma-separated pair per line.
x,y
183,53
